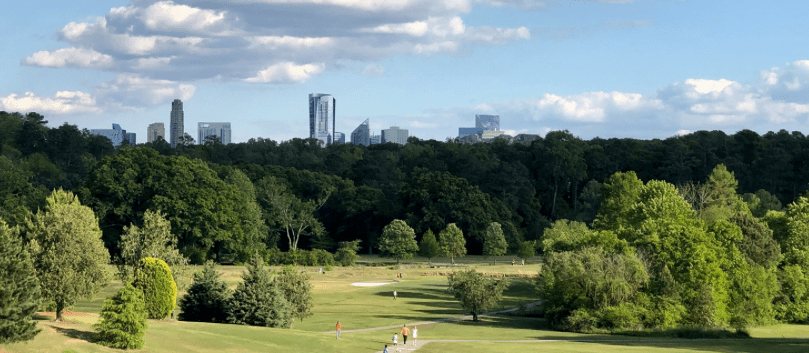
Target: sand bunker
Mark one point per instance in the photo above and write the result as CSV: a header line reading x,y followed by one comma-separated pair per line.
x,y
370,284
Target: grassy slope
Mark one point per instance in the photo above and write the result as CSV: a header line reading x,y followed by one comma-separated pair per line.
x,y
422,296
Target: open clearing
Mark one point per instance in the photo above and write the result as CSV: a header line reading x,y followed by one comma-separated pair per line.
x,y
370,316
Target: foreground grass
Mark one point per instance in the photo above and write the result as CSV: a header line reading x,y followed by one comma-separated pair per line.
x,y
423,296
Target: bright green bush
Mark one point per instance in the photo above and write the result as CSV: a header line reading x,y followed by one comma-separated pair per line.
x,y
123,320
153,278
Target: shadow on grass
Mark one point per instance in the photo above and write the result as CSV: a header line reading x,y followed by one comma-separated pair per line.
x,y
88,336
751,345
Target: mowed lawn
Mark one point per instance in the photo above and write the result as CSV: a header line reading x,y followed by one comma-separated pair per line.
x,y
422,296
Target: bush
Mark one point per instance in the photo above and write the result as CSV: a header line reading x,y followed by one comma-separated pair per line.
x,y
347,252
207,299
123,320
153,278
316,257
625,316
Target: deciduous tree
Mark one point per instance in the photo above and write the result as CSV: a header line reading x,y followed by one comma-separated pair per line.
x,y
452,242
398,241
494,244
297,289
69,255
476,292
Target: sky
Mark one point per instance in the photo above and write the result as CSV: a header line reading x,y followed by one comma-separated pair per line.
x,y
599,68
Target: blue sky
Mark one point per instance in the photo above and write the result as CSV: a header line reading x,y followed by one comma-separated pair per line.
x,y
608,68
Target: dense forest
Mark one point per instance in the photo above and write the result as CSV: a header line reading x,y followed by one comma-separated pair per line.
x,y
689,231
228,199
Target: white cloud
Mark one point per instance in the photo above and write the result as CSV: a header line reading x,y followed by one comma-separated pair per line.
x,y
63,102
287,72
373,70
166,16
70,57
275,42
708,86
129,91
150,63
445,46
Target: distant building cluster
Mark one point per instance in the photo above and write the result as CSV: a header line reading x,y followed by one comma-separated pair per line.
x,y
323,106
219,130
486,127
155,131
116,135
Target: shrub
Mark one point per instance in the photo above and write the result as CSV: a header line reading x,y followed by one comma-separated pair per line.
x,y
153,278
207,299
123,320
347,252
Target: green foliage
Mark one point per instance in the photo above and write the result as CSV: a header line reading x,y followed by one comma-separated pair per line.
x,y
19,289
251,239
153,278
564,235
588,279
621,192
297,289
259,300
476,292
762,202
347,252
68,252
207,299
452,242
494,243
314,257
429,246
18,197
527,249
398,240
154,239
123,320
758,244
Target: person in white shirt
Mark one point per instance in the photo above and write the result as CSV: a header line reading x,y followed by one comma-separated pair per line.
x,y
415,334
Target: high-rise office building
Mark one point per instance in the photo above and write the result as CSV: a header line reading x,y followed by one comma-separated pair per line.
x,y
177,127
375,140
339,138
395,135
154,131
131,137
116,135
362,134
487,122
220,130
466,131
320,106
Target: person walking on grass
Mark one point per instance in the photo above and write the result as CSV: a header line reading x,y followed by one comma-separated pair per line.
x,y
405,333
386,349
339,328
396,341
415,335
394,295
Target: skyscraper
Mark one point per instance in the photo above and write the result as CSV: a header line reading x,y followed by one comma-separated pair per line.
x,y
154,131
487,122
220,130
362,134
177,128
395,135
319,106
116,135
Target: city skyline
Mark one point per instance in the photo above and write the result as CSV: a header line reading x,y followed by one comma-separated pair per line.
x,y
607,68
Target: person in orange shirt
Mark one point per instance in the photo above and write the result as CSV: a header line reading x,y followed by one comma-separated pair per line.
x,y
339,327
405,333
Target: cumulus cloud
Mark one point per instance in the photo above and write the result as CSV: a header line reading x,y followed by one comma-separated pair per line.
x,y
132,91
69,57
287,72
63,102
779,98
186,40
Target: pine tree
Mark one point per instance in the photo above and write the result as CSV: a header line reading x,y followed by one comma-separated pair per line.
x,y
258,300
123,320
297,290
207,299
429,246
19,289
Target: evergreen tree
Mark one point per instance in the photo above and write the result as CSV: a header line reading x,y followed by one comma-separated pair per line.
x,y
19,289
429,246
258,300
123,320
398,240
68,252
207,298
494,244
452,242
153,278
297,290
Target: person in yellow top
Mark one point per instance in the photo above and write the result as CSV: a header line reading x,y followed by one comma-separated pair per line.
x,y
405,333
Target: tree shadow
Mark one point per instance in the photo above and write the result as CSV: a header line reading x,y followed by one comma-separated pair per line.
x,y
88,336
748,345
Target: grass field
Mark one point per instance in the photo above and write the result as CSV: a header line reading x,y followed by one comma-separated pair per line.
x,y
422,296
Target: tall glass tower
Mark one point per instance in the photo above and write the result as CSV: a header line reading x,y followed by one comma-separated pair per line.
x,y
487,122
177,127
319,106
